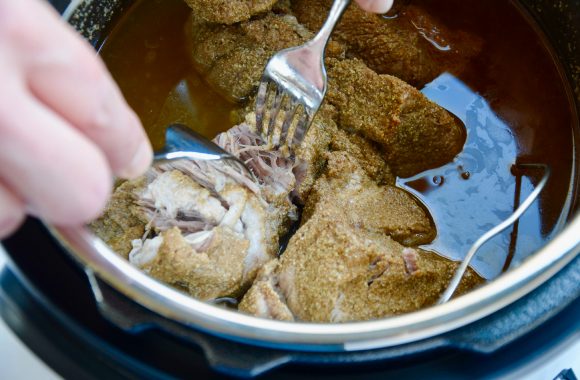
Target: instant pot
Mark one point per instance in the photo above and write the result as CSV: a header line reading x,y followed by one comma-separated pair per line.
x,y
88,314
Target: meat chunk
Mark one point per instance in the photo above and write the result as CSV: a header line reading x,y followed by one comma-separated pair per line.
x,y
310,157
264,299
363,204
207,264
413,46
335,272
208,227
354,257
123,220
209,234
367,155
414,133
232,58
229,11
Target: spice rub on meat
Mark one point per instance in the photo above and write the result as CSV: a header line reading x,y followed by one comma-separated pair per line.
x,y
413,46
229,11
232,57
365,205
352,259
367,154
334,272
207,227
414,133
123,220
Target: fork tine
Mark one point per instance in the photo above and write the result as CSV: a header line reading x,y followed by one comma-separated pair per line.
x,y
291,110
261,104
275,110
300,70
302,128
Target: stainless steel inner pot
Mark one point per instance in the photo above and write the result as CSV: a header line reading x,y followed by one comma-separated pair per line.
x,y
92,18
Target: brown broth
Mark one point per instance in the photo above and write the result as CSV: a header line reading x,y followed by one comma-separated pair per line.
x,y
516,74
146,54
523,84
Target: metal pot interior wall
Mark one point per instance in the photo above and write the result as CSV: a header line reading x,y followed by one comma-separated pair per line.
x,y
94,19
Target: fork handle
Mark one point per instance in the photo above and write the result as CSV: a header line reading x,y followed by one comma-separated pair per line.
x,y
336,12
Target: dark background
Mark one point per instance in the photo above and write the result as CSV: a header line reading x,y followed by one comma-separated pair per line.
x,y
60,5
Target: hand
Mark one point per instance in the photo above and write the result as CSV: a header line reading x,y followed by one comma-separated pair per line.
x,y
65,128
375,6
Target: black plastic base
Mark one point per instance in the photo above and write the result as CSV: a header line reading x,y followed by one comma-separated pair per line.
x,y
45,298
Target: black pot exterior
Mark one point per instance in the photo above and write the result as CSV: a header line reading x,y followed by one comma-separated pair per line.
x,y
46,298
560,21
491,338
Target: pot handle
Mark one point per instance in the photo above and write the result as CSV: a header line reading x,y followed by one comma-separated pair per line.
x,y
228,357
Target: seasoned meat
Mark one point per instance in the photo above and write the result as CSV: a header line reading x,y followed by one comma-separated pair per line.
x,y
218,224
363,204
232,58
229,11
310,157
207,264
123,220
222,221
335,272
324,136
413,46
414,133
264,298
354,257
367,154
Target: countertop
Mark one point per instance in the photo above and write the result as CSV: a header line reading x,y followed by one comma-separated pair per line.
x,y
17,362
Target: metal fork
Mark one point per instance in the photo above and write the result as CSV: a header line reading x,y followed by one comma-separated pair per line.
x,y
297,77
181,142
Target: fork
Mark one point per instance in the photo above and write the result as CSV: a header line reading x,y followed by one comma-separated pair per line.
x,y
296,77
182,142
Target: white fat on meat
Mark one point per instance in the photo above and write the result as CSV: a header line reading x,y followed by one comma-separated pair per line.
x,y
237,199
286,285
144,252
171,194
199,196
253,218
200,241
263,309
410,257
355,182
337,314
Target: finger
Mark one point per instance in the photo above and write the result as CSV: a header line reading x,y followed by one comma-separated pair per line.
x,y
11,212
376,6
57,172
65,74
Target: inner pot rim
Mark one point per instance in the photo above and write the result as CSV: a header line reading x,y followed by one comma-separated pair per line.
x,y
98,258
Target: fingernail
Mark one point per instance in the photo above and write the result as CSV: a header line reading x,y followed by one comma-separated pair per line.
x,y
380,6
8,225
140,163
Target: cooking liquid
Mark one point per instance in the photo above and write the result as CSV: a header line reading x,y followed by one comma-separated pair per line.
x,y
519,109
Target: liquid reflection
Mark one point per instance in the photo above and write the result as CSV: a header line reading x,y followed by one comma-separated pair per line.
x,y
477,191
